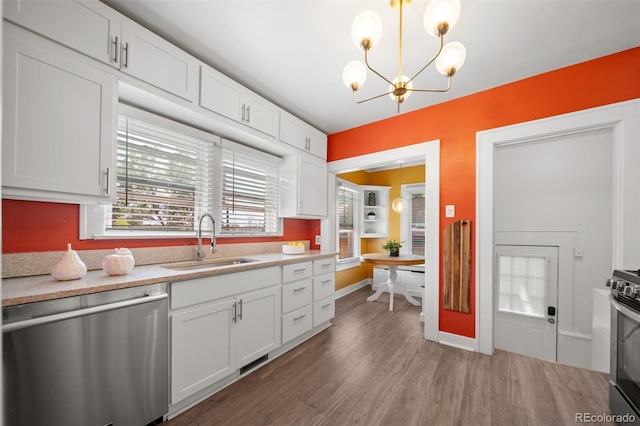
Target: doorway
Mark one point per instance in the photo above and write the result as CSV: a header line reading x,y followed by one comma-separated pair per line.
x,y
623,122
526,296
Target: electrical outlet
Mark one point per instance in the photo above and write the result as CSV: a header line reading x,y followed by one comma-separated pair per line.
x,y
317,240
578,252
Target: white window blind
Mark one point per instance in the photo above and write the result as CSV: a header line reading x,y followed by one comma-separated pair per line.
x,y
250,191
348,218
413,219
166,178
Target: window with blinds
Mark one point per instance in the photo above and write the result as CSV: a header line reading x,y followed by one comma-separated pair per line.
x,y
166,178
348,215
413,219
250,191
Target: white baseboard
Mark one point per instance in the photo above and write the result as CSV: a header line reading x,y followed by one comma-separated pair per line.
x,y
457,341
353,287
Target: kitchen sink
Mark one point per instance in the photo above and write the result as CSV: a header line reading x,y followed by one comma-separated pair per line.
x,y
207,264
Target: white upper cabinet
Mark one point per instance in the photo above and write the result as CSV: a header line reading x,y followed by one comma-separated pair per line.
x,y
152,59
59,115
299,134
96,30
303,190
90,27
222,95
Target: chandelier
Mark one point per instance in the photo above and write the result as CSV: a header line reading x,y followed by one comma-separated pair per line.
x,y
439,18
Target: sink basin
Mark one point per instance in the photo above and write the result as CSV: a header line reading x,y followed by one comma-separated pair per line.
x,y
207,264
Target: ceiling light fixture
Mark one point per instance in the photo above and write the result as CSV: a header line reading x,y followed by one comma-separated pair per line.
x,y
439,18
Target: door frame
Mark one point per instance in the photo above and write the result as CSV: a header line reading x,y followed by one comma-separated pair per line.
x,y
430,151
624,121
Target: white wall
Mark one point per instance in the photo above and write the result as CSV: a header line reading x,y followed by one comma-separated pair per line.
x,y
563,185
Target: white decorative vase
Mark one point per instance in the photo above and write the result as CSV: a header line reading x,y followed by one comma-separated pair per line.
x,y
69,267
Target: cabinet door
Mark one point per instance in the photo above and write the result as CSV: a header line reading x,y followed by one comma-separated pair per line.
x,y
220,94
203,347
59,124
90,27
312,188
154,60
261,114
258,325
299,134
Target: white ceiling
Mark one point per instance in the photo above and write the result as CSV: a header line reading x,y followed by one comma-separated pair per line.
x,y
293,52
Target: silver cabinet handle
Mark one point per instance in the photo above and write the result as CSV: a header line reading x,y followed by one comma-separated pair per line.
x,y
299,271
125,63
249,114
107,188
295,290
299,318
6,328
326,306
115,49
326,281
235,312
240,314
243,112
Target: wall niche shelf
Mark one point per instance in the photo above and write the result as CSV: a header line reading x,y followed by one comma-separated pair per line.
x,y
375,211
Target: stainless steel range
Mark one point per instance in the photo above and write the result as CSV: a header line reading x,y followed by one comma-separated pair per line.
x,y
624,387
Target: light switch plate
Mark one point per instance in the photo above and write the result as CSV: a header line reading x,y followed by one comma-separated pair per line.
x,y
450,211
317,240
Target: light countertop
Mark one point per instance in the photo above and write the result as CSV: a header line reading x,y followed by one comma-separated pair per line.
x,y
16,291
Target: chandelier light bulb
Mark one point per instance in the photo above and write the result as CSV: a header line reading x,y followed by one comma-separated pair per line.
x,y
354,75
398,204
366,26
405,96
451,58
439,12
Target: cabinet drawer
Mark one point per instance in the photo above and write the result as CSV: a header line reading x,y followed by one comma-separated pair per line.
x,y
199,290
296,295
323,286
324,266
296,323
296,271
323,311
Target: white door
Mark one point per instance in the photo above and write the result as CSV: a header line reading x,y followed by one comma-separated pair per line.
x,y
526,295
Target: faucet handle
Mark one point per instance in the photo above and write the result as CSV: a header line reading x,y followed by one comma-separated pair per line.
x,y
199,254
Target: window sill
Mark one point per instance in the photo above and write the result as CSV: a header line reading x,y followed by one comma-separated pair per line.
x,y
348,265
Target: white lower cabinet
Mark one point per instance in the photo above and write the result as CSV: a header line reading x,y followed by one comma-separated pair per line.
x,y
296,323
324,284
220,324
203,348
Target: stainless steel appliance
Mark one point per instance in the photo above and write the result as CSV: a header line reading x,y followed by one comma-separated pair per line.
x,y
91,360
624,387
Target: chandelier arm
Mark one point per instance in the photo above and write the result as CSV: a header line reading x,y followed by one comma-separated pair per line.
x,y
366,61
434,90
369,99
431,61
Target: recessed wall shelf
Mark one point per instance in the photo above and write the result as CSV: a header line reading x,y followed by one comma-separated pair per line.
x,y
375,211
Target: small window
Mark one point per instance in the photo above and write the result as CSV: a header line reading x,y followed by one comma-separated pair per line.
x,y
348,215
250,191
413,219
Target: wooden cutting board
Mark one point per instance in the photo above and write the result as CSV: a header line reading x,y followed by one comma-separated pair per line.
x,y
457,266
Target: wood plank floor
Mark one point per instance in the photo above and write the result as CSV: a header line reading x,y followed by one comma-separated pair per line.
x,y
373,367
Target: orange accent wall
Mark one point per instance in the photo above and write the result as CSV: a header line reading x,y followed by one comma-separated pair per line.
x,y
31,226
602,81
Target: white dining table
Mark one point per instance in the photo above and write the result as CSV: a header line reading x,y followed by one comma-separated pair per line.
x,y
392,285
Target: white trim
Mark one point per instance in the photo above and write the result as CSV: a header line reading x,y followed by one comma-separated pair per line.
x,y
624,119
430,151
350,289
457,341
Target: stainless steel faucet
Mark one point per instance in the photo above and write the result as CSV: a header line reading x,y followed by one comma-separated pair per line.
x,y
201,253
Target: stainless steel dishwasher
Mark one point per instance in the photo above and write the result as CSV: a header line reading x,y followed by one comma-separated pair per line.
x,y
92,360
